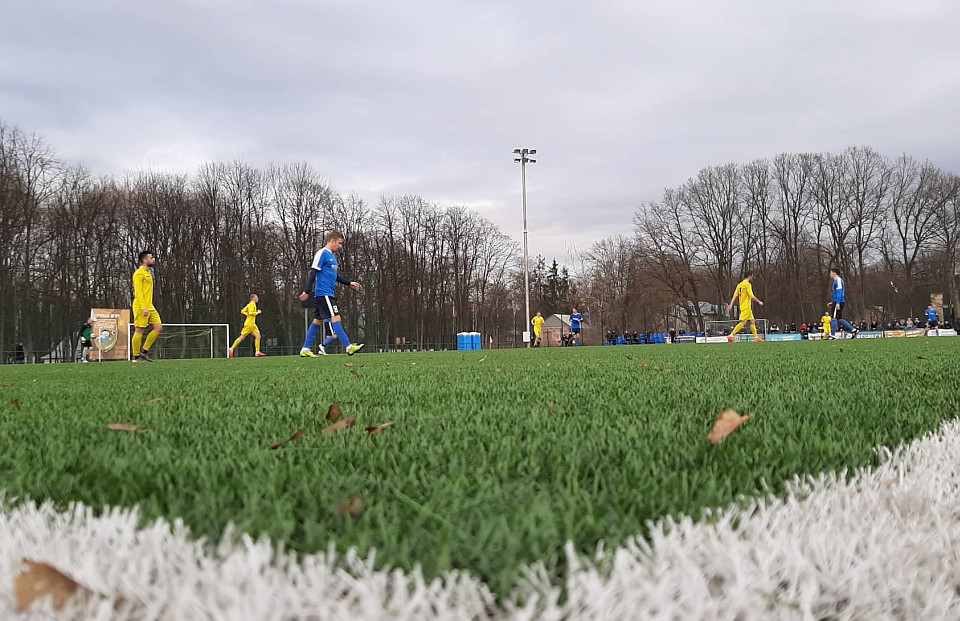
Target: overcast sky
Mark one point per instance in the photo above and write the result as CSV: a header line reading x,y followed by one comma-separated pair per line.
x,y
621,97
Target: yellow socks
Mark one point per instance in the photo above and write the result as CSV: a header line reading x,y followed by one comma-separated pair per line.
x,y
235,343
737,329
137,339
256,343
753,329
150,339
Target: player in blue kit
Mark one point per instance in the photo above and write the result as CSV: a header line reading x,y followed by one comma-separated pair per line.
x,y
839,297
931,314
575,319
322,279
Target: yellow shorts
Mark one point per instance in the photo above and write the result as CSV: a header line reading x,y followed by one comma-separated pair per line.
x,y
248,330
746,314
140,321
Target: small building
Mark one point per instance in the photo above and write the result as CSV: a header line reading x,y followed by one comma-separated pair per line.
x,y
684,317
555,326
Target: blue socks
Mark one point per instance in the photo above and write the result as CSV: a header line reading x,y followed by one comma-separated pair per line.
x,y
329,340
311,335
338,330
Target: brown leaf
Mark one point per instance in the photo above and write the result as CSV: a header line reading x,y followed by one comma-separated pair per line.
x,y
41,580
148,401
550,404
346,422
295,436
348,364
177,397
353,507
8,384
642,364
727,421
377,428
299,369
125,427
15,403
354,373
549,363
333,412
498,370
629,357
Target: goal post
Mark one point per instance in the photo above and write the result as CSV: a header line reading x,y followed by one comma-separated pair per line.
x,y
187,340
723,327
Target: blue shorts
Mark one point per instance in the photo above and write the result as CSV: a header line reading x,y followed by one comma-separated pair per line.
x,y
325,307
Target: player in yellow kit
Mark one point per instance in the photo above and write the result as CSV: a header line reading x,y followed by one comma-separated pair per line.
x,y
249,326
744,293
143,310
537,322
825,321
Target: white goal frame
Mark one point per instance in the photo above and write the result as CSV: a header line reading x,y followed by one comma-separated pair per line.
x,y
763,327
130,333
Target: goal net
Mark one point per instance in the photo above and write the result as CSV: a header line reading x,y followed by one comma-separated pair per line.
x,y
723,327
187,340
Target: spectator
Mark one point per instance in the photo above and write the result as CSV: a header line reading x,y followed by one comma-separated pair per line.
x,y
85,332
19,357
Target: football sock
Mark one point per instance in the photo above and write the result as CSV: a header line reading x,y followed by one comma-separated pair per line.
x,y
256,343
753,329
311,334
329,340
736,329
137,339
150,339
833,326
235,343
338,329
846,325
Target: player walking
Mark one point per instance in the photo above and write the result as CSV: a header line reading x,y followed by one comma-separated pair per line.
x,y
537,322
575,319
249,311
322,279
839,297
143,310
931,314
744,293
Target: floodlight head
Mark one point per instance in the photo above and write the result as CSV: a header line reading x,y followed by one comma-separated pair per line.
x,y
516,150
531,161
532,151
517,160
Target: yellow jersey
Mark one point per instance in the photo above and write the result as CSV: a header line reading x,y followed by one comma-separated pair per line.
x,y
744,293
143,289
537,323
825,323
250,310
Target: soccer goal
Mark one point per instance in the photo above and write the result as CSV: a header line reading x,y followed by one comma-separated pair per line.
x,y
723,327
187,340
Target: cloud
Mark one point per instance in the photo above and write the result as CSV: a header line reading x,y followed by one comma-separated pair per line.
x,y
621,98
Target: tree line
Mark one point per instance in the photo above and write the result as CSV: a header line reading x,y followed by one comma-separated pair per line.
x,y
891,225
69,242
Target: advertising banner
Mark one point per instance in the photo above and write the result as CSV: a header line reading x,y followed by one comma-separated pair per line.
x,y
110,333
784,337
913,332
942,332
893,334
686,338
863,334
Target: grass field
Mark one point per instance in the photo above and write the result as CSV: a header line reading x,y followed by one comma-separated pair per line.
x,y
494,459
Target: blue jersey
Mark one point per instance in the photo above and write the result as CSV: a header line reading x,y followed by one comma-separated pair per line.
x,y
325,265
575,320
931,314
839,290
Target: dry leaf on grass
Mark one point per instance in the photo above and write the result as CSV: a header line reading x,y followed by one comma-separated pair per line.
x,y
372,429
921,358
15,403
125,427
642,364
549,363
346,422
8,384
352,507
333,412
354,373
629,357
482,359
498,370
299,369
413,364
41,580
550,404
148,401
295,436
348,364
727,421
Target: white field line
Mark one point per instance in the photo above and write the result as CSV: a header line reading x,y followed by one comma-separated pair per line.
x,y
880,544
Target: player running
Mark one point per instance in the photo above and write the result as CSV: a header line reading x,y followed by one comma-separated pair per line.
x,y
143,310
744,293
839,297
249,311
537,322
322,279
575,319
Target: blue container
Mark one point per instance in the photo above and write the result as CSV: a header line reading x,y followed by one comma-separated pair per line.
x,y
462,341
475,340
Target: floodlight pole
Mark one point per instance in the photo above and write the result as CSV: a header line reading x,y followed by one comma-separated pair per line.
x,y
522,160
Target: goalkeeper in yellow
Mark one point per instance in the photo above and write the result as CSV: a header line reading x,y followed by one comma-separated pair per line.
x,y
249,326
744,293
143,310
